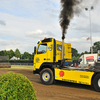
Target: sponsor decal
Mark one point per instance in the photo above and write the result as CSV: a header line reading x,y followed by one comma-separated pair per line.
x,y
61,73
46,59
84,76
73,81
90,57
68,60
50,47
80,82
37,59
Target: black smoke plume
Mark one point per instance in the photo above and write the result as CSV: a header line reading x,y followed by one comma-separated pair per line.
x,y
67,13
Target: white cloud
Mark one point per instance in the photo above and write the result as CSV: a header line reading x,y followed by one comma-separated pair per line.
x,y
23,23
2,22
39,34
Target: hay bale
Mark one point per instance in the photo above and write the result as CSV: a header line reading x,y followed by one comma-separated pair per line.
x,y
5,65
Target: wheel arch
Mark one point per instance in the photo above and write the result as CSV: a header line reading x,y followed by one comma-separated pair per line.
x,y
94,76
47,65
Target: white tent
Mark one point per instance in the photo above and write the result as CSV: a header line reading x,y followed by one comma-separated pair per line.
x,y
14,58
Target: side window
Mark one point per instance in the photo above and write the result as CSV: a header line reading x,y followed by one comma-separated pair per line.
x,y
42,49
59,47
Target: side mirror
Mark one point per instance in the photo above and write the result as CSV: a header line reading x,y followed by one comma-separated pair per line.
x,y
35,50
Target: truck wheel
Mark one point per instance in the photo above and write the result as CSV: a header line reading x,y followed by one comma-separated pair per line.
x,y
96,82
46,76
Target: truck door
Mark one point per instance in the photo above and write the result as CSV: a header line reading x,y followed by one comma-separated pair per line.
x,y
50,50
58,51
41,55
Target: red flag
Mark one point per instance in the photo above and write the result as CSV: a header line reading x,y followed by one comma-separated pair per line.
x,y
88,38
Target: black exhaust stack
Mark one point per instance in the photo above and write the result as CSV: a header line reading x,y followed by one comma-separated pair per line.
x,y
62,60
67,13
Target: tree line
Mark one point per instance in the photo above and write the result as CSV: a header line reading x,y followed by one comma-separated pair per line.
x,y
76,55
16,53
27,56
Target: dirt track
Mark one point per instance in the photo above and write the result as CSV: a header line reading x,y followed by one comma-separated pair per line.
x,y
59,90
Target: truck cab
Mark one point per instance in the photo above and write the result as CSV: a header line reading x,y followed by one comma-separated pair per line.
x,y
49,53
88,59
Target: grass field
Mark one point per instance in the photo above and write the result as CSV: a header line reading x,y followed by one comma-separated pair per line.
x,y
20,67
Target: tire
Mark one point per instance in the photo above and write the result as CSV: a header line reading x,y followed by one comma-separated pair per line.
x,y
46,76
96,82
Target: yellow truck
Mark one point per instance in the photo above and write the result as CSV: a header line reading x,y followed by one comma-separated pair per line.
x,y
48,64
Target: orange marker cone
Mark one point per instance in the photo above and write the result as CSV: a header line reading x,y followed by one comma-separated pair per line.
x,y
75,65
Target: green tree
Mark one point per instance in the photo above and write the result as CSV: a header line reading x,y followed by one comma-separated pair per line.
x,y
17,53
96,46
26,55
86,52
2,53
75,58
33,55
74,52
5,53
10,53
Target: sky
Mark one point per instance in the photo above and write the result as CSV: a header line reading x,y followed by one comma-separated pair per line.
x,y
25,22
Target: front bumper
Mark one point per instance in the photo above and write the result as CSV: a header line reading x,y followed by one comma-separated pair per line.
x,y
37,71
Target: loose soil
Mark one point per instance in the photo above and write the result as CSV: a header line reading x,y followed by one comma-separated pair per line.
x,y
58,90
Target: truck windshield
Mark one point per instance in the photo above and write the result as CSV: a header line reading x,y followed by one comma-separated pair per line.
x,y
42,48
90,60
80,60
